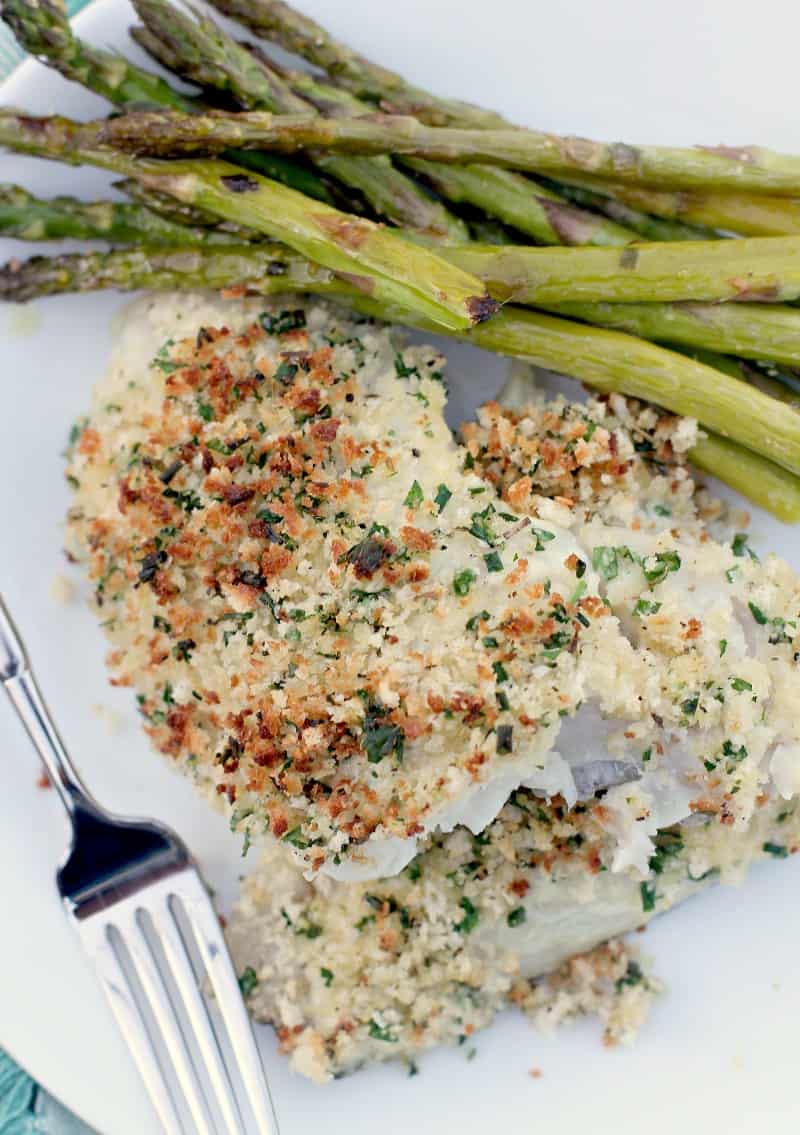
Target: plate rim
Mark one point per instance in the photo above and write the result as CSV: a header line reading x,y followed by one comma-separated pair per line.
x,y
16,74
20,73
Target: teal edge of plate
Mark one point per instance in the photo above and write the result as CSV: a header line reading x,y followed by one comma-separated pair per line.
x,y
11,54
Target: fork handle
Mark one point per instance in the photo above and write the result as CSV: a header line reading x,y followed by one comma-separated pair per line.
x,y
23,690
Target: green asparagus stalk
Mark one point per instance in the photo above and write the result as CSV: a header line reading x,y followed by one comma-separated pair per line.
x,y
26,217
43,30
385,265
754,331
755,268
264,269
645,225
197,48
749,214
749,330
274,20
178,212
606,360
511,197
761,481
521,203
747,168
765,376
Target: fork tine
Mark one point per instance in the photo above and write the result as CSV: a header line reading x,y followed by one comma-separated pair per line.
x,y
152,983
123,1005
181,969
224,982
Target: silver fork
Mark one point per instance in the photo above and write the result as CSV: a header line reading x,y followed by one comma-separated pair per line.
x,y
144,917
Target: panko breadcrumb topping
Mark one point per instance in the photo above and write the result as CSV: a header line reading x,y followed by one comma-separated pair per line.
x,y
324,613
357,631
483,705
350,973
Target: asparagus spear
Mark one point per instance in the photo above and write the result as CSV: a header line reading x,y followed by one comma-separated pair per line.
x,y
512,197
197,48
763,482
43,30
755,268
178,212
606,360
384,263
749,168
750,330
520,202
277,21
754,331
266,269
646,225
750,214
765,376
64,218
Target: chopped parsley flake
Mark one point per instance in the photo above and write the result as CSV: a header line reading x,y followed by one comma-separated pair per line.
x,y
481,526
604,561
474,620
740,546
189,501
414,496
296,838
648,893
282,322
402,369
381,737
735,755
471,917
463,581
286,372
543,537
381,1032
646,607
633,976
162,361
777,850
248,980
669,844
441,498
493,562
516,917
661,564
758,614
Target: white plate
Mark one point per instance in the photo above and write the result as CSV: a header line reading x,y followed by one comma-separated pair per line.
x,y
720,1049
